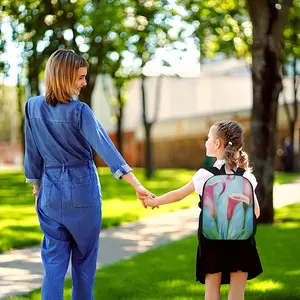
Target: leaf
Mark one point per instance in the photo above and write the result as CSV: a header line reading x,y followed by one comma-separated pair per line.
x,y
210,233
245,235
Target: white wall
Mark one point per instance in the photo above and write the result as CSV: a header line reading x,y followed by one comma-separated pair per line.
x,y
181,98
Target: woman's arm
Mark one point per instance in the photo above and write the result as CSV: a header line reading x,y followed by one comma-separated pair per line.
x,y
33,162
172,196
141,192
98,138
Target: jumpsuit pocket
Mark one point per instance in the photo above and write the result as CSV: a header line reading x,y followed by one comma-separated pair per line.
x,y
44,196
81,195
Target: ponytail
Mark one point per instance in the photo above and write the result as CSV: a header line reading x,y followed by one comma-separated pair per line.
x,y
229,156
231,134
236,158
243,160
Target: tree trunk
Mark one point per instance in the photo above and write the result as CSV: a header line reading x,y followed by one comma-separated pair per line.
x,y
147,127
268,23
148,147
22,118
295,108
120,120
33,75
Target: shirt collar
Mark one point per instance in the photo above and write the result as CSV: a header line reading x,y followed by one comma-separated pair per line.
x,y
219,163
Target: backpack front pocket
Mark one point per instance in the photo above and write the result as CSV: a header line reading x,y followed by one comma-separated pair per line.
x,y
81,195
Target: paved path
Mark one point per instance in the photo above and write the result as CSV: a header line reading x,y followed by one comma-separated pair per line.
x,y
21,270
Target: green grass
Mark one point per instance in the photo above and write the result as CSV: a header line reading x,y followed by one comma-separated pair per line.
x,y
167,273
19,225
282,178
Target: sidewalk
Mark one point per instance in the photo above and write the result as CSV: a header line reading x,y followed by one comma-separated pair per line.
x,y
21,271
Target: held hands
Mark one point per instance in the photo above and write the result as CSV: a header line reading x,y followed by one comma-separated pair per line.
x,y
153,202
144,194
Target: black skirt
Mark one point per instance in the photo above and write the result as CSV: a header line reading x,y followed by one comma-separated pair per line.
x,y
214,256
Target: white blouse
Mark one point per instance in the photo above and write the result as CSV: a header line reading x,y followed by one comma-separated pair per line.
x,y
203,175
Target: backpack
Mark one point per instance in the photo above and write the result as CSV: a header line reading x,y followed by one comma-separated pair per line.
x,y
227,205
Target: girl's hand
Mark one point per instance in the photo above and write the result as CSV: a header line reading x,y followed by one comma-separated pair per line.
x,y
142,194
149,201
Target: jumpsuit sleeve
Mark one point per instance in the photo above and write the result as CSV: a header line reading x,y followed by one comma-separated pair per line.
x,y
97,137
33,162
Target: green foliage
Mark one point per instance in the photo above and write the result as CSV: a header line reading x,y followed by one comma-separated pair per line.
x,y
104,32
221,26
292,33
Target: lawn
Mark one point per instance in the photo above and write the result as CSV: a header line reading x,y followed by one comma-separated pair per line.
x,y
167,273
19,225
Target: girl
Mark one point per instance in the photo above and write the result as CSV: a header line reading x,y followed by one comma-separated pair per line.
x,y
221,261
59,134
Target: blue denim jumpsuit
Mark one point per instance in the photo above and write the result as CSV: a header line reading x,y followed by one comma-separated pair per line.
x,y
58,157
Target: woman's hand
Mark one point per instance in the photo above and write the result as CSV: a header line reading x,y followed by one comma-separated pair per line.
x,y
35,193
36,198
143,193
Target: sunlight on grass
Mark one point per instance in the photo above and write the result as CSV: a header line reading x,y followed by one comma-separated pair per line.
x,y
17,213
282,178
265,286
168,272
289,225
172,284
294,272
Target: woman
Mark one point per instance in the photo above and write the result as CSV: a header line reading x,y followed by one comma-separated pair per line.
x,y
59,134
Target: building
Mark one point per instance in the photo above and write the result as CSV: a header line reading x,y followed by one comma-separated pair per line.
x,y
187,109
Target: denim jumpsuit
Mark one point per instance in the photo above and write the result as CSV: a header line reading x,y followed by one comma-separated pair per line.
x,y
58,157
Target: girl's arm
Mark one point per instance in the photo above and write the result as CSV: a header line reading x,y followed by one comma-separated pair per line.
x,y
256,207
172,196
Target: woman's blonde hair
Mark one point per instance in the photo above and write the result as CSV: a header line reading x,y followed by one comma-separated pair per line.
x,y
60,75
231,134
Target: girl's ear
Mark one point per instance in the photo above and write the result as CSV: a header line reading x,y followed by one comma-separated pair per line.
x,y
218,143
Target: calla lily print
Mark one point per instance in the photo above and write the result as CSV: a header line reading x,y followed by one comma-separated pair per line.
x,y
227,208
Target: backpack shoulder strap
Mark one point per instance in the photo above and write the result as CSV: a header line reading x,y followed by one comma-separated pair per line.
x,y
213,170
240,171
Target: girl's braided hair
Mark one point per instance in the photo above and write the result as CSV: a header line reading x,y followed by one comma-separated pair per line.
x,y
231,133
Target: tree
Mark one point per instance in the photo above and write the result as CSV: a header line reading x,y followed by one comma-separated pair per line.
x,y
152,24
268,20
87,27
221,26
148,123
118,101
291,57
53,19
